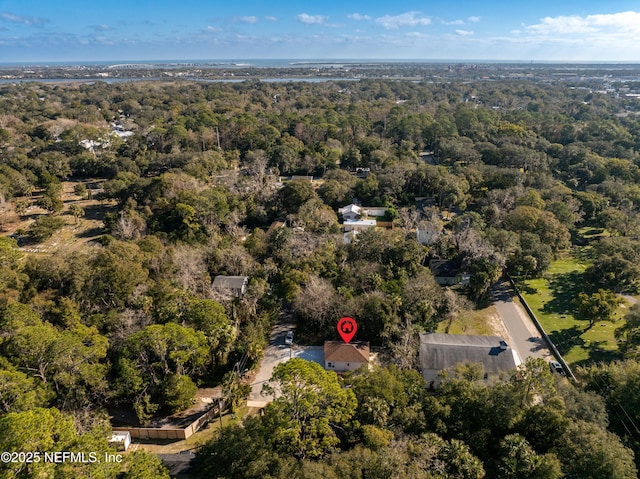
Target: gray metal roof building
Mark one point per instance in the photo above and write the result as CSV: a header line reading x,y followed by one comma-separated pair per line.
x,y
444,351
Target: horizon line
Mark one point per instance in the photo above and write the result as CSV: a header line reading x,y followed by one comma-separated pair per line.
x,y
304,61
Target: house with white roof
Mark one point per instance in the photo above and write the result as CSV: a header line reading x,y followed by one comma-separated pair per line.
x,y
350,212
358,225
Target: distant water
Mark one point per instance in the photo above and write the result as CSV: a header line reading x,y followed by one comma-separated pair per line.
x,y
240,63
284,62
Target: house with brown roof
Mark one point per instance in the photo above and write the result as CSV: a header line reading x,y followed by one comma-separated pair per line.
x,y
340,356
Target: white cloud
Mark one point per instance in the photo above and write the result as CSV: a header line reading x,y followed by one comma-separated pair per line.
x,y
408,19
211,29
249,19
624,22
312,19
101,28
271,18
358,16
464,33
10,17
462,22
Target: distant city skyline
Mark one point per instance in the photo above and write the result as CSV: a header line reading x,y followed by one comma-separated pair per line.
x,y
560,30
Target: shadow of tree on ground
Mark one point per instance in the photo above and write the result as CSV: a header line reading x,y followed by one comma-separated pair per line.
x,y
567,339
565,288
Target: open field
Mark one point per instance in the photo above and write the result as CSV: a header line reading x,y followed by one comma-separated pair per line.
x,y
551,298
72,235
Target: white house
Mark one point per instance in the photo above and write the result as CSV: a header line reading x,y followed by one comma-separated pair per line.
x,y
442,352
358,225
375,210
340,357
350,212
354,212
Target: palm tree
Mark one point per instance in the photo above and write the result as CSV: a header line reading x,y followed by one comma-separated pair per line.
x,y
76,211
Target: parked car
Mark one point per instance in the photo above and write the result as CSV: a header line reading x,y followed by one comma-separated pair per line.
x,y
556,367
288,339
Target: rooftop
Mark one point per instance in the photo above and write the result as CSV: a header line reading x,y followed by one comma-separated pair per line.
x,y
360,222
230,282
339,352
442,351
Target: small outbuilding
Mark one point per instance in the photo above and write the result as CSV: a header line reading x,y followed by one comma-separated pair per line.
x,y
358,225
341,357
120,440
443,352
447,273
234,285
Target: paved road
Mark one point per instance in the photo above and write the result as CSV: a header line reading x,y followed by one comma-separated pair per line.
x,y
523,335
277,352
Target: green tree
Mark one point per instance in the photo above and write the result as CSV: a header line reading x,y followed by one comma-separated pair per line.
x,y
598,306
48,430
51,199
19,392
45,227
76,211
155,364
80,190
294,194
72,361
614,271
143,465
11,277
629,333
311,405
518,460
593,453
116,271
210,317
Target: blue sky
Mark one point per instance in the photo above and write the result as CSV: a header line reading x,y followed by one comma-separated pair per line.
x,y
538,30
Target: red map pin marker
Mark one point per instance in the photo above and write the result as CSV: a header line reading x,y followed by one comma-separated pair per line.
x,y
347,328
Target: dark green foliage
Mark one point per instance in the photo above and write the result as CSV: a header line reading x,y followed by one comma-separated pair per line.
x,y
514,170
45,227
597,306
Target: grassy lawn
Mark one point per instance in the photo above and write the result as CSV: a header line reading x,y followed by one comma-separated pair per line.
x,y
72,235
551,298
483,322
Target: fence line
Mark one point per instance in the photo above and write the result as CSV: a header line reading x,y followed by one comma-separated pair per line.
x,y
171,433
541,330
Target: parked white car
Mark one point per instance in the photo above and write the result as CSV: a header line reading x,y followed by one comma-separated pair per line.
x,y
288,339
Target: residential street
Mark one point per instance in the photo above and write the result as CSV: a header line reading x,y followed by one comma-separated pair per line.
x,y
277,352
523,335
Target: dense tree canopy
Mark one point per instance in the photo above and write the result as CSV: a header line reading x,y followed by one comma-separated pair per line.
x,y
488,176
